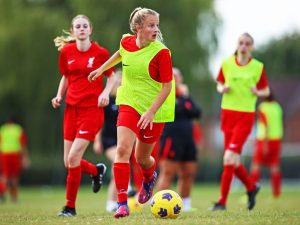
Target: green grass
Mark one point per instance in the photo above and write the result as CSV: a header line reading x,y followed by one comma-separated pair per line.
x,y
39,205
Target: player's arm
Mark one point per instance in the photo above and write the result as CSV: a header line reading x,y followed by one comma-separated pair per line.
x,y
112,61
25,155
147,118
221,87
261,89
62,87
103,99
264,92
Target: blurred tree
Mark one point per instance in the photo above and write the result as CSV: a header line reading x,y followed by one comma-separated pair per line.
x,y
28,60
281,56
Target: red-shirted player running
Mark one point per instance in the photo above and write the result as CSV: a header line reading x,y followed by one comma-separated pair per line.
x,y
83,115
241,80
144,99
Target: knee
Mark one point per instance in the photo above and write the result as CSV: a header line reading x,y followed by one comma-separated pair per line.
x,y
255,167
123,152
142,161
231,159
228,159
274,169
72,161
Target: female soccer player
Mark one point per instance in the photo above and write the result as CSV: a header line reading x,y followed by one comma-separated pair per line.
x,y
83,115
241,80
14,157
268,142
146,101
178,155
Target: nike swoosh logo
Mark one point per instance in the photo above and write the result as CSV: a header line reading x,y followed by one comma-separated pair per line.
x,y
83,132
233,145
146,137
125,65
71,61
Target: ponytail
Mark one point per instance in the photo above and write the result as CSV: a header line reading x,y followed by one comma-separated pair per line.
x,y
61,41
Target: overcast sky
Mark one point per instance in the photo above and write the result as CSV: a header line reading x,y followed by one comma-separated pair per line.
x,y
263,19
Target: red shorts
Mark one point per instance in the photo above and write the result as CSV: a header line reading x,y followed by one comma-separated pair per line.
x,y
11,164
129,117
267,153
82,122
236,127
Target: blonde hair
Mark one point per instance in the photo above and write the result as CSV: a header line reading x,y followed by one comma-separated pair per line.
x,y
246,34
61,41
138,16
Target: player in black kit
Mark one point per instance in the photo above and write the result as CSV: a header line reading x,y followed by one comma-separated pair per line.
x,y
178,153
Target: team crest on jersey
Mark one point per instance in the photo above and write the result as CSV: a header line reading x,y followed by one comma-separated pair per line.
x,y
90,62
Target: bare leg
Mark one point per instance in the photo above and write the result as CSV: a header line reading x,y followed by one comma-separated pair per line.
x,y
167,171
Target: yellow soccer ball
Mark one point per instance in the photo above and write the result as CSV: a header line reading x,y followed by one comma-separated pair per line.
x,y
134,205
166,204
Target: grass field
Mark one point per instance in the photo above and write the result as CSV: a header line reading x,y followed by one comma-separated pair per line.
x,y
39,205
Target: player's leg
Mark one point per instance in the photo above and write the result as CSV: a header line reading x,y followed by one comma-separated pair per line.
x,y
240,135
275,171
137,176
147,165
227,174
111,204
2,179
145,144
257,160
186,177
168,163
275,180
74,175
121,168
14,175
167,172
187,172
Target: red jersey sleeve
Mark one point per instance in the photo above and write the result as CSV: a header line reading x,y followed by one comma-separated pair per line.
x,y
262,83
62,63
23,139
220,77
164,64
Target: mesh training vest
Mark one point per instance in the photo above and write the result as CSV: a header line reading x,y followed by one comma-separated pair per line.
x,y
240,79
10,138
138,89
273,130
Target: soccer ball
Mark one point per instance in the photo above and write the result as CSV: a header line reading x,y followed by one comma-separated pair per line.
x,y
166,204
134,205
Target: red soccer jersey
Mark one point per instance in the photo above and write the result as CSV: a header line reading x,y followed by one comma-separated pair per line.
x,y
160,67
76,66
262,83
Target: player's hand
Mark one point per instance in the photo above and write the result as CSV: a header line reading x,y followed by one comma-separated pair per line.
x,y
26,162
145,120
103,99
94,74
254,91
56,102
226,89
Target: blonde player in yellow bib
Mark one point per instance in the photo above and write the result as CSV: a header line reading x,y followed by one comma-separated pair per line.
x,y
146,100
